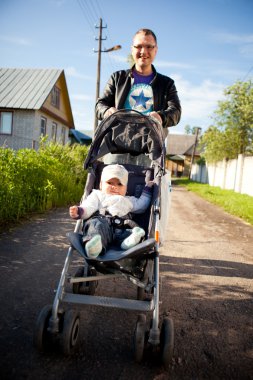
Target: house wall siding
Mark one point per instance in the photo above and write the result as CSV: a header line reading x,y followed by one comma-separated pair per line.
x,y
26,130
50,121
22,130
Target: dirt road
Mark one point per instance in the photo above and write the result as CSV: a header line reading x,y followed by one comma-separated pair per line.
x,y
206,272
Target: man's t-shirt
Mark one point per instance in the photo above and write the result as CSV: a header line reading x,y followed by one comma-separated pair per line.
x,y
140,97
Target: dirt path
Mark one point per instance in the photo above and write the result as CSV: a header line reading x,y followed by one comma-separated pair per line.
x,y
206,272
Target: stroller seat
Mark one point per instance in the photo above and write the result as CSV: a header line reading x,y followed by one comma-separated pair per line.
x,y
113,253
137,178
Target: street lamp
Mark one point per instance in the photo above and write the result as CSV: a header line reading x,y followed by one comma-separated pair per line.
x,y
99,51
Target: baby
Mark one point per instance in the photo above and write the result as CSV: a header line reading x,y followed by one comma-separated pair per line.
x,y
110,200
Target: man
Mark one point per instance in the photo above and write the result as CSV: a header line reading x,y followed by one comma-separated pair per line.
x,y
141,88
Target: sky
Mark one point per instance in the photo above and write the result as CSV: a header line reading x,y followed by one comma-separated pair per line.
x,y
203,45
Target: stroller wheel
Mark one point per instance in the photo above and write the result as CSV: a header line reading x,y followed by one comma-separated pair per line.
x,y
70,331
167,341
88,287
41,335
139,338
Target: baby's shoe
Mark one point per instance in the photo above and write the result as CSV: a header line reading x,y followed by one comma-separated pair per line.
x,y
133,239
93,247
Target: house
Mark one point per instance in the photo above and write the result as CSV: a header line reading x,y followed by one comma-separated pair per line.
x,y
33,103
179,151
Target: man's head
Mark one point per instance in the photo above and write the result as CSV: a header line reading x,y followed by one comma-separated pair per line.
x,y
114,180
144,49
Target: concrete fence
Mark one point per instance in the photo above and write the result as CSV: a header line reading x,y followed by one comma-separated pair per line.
x,y
234,174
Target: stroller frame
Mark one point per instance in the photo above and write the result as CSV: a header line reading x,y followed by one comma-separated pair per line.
x,y
55,324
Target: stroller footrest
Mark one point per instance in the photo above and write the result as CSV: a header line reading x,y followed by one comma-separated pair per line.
x,y
118,303
111,255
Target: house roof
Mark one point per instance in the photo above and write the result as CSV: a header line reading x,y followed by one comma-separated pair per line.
x,y
79,136
26,88
177,157
180,144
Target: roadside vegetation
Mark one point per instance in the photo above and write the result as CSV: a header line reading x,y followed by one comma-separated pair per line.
x,y
236,204
232,130
35,181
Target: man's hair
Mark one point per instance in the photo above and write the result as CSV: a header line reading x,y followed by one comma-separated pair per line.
x,y
147,32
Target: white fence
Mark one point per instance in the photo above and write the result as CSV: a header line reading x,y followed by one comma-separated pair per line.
x,y
234,174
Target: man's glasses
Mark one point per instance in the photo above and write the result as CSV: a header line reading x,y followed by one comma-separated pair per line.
x,y
140,47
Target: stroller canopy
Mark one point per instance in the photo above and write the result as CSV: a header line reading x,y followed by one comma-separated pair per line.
x,y
128,132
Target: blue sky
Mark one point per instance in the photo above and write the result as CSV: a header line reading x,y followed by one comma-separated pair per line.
x,y
204,45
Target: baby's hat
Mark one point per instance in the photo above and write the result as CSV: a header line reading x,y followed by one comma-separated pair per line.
x,y
115,171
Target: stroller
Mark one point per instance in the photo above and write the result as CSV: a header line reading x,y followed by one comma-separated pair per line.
x,y
137,142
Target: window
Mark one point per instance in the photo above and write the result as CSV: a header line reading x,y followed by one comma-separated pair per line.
x,y
54,131
6,123
43,126
55,97
63,135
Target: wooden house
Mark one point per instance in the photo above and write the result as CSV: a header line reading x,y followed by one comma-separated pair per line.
x,y
33,103
179,153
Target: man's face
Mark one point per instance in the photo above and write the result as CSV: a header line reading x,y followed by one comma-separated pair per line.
x,y
113,187
144,50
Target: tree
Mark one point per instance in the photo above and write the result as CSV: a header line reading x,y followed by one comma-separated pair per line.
x,y
191,130
232,131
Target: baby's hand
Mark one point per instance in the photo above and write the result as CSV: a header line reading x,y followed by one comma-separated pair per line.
x,y
73,212
150,183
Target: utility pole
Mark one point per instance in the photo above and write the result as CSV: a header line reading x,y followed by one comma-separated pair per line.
x,y
99,51
99,39
194,150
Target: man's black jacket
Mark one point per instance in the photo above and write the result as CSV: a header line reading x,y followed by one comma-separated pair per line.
x,y
166,101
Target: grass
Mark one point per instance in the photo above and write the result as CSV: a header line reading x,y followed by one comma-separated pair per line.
x,y
237,204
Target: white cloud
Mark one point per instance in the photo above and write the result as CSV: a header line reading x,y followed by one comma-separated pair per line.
x,y
177,65
72,72
198,102
118,58
81,97
15,40
235,39
243,41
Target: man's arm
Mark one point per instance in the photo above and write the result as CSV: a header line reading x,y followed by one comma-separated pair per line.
x,y
107,100
171,113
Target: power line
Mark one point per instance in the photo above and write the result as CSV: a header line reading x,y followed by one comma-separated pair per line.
x,y
86,15
95,11
91,10
99,9
247,73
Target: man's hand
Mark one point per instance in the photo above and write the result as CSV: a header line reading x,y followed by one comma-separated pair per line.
x,y
109,112
156,116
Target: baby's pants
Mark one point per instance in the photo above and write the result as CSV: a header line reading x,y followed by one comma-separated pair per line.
x,y
100,225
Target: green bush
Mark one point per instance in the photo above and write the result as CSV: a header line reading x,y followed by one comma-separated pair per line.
x,y
32,181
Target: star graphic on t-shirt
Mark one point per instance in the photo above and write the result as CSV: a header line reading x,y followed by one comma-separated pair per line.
x,y
141,99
